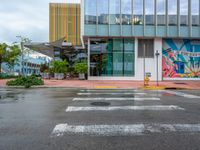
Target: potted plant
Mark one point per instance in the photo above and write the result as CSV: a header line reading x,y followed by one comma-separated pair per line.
x,y
81,69
59,69
44,69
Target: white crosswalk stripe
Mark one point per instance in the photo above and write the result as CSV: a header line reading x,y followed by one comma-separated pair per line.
x,y
118,99
111,93
182,94
124,130
113,108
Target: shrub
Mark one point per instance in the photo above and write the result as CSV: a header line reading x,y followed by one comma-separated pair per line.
x,y
26,81
80,67
60,66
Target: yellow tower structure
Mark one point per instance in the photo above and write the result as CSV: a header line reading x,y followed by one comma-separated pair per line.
x,y
65,21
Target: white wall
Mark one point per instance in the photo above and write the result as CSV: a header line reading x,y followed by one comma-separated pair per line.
x,y
151,63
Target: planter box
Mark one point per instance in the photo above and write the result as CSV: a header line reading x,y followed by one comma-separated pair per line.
x,y
81,76
45,75
59,76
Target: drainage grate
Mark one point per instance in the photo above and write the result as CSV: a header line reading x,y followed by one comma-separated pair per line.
x,y
100,103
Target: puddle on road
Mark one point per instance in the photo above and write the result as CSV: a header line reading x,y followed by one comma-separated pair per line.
x,y
9,98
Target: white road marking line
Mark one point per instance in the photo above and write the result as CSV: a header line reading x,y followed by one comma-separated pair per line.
x,y
113,108
123,130
117,99
112,93
182,94
93,90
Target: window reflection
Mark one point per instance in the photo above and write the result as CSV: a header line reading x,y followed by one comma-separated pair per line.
x,y
90,11
112,57
195,12
161,20
114,12
149,9
138,12
126,12
172,12
102,8
183,12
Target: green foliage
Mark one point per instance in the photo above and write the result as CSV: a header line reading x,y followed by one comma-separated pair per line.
x,y
7,76
9,54
60,66
44,68
80,67
26,81
12,56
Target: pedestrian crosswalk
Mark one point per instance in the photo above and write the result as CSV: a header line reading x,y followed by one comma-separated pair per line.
x,y
154,105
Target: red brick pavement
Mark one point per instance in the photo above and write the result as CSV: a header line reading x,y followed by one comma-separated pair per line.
x,y
114,84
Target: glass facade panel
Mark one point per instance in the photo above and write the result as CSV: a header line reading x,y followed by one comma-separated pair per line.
x,y
90,11
137,12
112,57
172,12
102,9
126,12
149,9
114,12
183,12
161,12
195,12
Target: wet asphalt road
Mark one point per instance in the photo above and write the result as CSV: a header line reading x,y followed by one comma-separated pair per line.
x,y
28,117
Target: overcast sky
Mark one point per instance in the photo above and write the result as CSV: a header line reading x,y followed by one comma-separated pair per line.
x,y
28,18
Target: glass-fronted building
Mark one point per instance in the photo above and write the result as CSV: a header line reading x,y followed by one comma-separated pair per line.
x,y
119,34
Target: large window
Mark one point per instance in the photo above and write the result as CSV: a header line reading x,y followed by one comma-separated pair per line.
x,y
126,11
112,57
161,12
183,12
114,12
172,12
102,8
146,48
90,11
149,10
195,12
138,12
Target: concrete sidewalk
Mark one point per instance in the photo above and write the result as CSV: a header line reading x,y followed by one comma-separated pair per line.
x,y
115,84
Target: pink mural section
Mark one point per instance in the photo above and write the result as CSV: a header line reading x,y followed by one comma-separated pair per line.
x,y
181,59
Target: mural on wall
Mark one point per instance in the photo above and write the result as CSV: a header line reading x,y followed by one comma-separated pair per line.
x,y
181,58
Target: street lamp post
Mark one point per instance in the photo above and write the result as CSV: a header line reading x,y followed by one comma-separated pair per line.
x,y
157,54
144,62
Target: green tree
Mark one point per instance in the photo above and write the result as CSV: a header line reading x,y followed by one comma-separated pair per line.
x,y
3,53
9,55
12,56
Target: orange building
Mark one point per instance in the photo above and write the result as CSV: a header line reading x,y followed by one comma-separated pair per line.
x,y
64,21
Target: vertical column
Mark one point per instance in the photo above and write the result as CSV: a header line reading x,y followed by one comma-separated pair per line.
x,y
121,18
97,19
108,17
178,16
190,18
144,18
155,16
132,25
166,17
88,58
